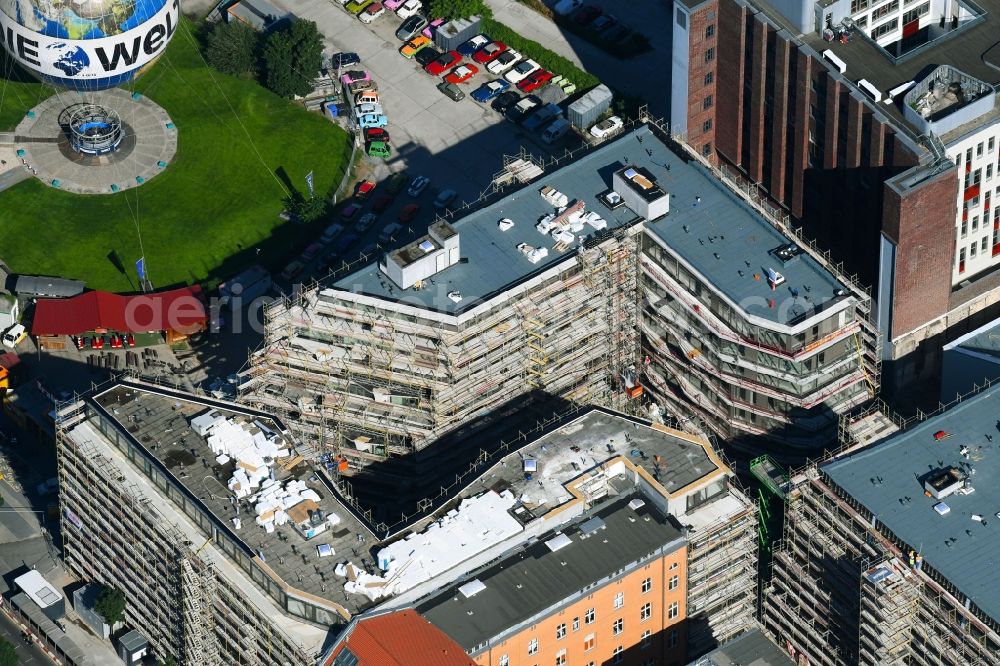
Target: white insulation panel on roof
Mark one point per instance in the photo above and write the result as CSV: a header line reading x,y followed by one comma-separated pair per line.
x,y
472,588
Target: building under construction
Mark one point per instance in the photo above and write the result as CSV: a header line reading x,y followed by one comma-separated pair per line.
x,y
889,548
547,289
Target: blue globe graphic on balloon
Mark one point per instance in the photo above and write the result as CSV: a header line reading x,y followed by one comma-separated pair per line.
x,y
82,21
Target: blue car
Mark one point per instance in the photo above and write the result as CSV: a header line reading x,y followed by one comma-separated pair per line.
x,y
346,241
373,120
488,91
473,45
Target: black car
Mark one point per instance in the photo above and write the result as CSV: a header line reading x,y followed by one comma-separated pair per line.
x,y
616,34
451,91
344,60
427,55
411,27
505,100
520,110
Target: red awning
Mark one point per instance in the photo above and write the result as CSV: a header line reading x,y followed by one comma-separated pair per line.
x,y
178,310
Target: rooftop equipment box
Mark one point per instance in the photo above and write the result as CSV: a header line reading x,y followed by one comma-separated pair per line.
x,y
638,189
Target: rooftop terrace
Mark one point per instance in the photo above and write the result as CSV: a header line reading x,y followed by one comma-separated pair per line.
x,y
159,422
889,479
533,578
709,227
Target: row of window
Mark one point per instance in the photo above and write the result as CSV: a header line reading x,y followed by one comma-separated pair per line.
x,y
885,28
589,642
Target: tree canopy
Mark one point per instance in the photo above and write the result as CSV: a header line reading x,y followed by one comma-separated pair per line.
x,y
111,605
232,48
459,8
293,56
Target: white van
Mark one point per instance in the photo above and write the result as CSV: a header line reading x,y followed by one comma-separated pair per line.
x,y
556,130
14,335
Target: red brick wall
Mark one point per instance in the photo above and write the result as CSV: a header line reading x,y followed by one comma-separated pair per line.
x,y
699,43
921,223
729,78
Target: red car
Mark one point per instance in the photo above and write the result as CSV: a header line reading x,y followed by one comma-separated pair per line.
x,y
489,52
587,14
382,203
130,340
116,342
376,134
408,213
535,80
97,342
461,74
443,63
365,188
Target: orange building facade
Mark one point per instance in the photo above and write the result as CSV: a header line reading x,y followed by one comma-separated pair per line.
x,y
635,620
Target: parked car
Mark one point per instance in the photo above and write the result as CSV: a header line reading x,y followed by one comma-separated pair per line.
x,y
555,131
366,109
366,222
505,100
388,231
518,112
373,120
408,212
362,86
346,59
346,241
586,14
616,34
409,9
535,80
432,27
469,47
444,198
366,97
364,189
291,271
451,91
379,149
489,52
461,74
544,115
488,91
418,185
606,127
331,232
14,335
371,12
565,7
355,75
376,134
397,182
427,55
521,71
357,6
411,47
411,27
382,203
349,212
503,62
603,22
393,5
445,62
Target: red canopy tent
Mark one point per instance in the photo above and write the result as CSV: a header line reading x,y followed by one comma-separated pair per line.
x,y
178,310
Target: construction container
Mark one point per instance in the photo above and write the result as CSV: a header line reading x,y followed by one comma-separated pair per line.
x,y
585,111
456,32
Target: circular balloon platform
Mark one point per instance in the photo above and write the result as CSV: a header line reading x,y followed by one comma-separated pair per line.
x,y
66,143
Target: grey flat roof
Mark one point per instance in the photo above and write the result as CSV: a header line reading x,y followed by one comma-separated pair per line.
x,y
721,223
160,423
963,550
750,649
533,578
984,340
47,286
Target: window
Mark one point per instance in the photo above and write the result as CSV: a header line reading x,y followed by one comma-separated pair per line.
x,y
504,660
709,78
673,565
706,150
990,145
588,643
646,611
618,655
647,585
885,28
982,246
673,582
561,658
965,228
589,616
533,646
858,6
885,10
708,102
646,640
979,149
674,610
968,156
561,631
916,12
961,260
710,31
707,126
989,171
618,627
619,600
671,638
975,222
709,55
576,624
972,251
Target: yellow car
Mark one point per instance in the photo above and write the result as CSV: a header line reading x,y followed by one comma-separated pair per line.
x,y
411,47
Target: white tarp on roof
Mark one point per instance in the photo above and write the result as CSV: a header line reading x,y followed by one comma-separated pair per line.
x,y
252,447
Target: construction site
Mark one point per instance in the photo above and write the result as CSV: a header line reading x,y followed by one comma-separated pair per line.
x,y
889,545
570,286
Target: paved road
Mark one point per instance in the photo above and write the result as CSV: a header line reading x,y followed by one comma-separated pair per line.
x,y
27,654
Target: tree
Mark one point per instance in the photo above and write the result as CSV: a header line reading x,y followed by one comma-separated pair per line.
x,y
8,655
293,56
231,48
307,210
460,8
111,605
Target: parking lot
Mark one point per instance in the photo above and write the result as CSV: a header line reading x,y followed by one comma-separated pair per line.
x,y
458,145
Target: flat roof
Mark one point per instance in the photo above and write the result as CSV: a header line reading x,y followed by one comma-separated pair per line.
x,y
971,50
533,578
984,340
888,477
709,226
750,649
159,421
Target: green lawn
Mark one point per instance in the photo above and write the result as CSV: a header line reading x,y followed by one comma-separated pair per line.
x,y
205,216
